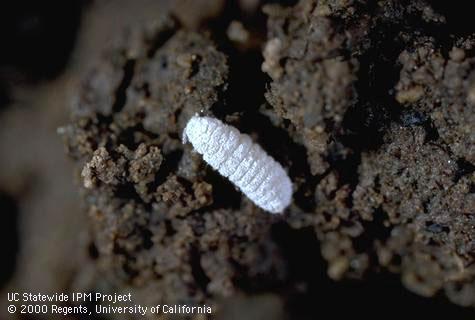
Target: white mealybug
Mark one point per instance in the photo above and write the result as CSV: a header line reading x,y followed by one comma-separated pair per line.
x,y
243,162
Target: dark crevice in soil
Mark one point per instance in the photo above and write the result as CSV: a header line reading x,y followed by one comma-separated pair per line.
x,y
147,235
170,231
257,284
127,136
463,168
121,92
301,249
201,279
187,184
346,166
101,120
5,99
304,196
160,39
306,266
243,96
432,134
127,191
285,3
246,84
225,194
126,267
374,229
219,26
92,251
439,33
9,238
168,166
357,295
459,16
365,123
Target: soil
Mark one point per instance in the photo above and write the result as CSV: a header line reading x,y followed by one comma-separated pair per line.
x,y
370,108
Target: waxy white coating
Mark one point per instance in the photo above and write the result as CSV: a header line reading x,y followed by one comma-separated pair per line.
x,y
244,163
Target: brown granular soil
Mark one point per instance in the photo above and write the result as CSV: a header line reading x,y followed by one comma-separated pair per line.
x,y
370,107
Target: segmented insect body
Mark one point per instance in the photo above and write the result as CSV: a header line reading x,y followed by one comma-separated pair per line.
x,y
243,162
